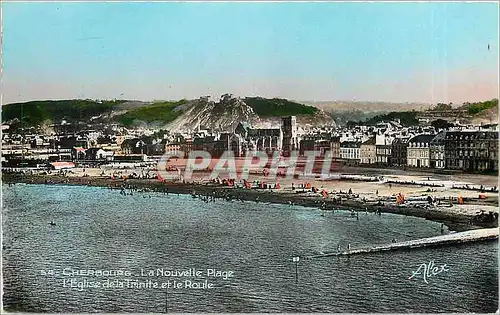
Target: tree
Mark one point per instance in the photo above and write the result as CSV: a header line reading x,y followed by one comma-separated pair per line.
x,y
474,108
441,124
442,106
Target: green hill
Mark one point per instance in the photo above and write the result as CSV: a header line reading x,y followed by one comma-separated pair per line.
x,y
276,107
35,112
476,108
164,112
408,118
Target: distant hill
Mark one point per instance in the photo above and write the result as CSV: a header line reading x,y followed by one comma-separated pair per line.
x,y
344,112
176,115
483,112
226,113
407,118
478,107
278,107
157,112
36,112
476,113
365,106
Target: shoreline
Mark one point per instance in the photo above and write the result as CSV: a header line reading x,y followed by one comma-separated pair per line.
x,y
455,221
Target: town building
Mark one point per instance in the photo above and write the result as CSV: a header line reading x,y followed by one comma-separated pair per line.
x,y
471,150
350,152
257,139
368,152
289,129
319,143
133,146
229,142
335,148
436,151
383,149
173,148
399,151
418,151
267,140
97,154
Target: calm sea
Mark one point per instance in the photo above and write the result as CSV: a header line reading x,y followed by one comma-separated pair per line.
x,y
250,244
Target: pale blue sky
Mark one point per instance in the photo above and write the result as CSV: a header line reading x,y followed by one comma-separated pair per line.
x,y
430,52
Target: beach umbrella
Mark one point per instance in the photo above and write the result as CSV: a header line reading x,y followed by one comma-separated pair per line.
x,y
324,193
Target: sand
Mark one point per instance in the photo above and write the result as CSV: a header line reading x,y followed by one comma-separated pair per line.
x,y
377,196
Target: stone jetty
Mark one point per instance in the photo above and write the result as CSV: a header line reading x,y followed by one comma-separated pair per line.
x,y
454,238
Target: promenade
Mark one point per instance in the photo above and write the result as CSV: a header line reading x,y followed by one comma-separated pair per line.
x,y
449,239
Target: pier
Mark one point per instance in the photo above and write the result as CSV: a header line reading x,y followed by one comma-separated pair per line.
x,y
455,238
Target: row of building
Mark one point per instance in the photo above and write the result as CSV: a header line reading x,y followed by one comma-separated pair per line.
x,y
468,150
384,145
463,149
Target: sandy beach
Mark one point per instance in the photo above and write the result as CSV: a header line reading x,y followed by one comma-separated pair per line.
x,y
348,190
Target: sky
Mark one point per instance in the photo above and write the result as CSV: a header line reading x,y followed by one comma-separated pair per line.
x,y
308,51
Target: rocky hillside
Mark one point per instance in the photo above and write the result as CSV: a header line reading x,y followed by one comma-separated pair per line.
x,y
223,115
486,117
226,113
183,115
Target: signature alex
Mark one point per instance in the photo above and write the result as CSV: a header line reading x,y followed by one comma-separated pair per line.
x,y
429,270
